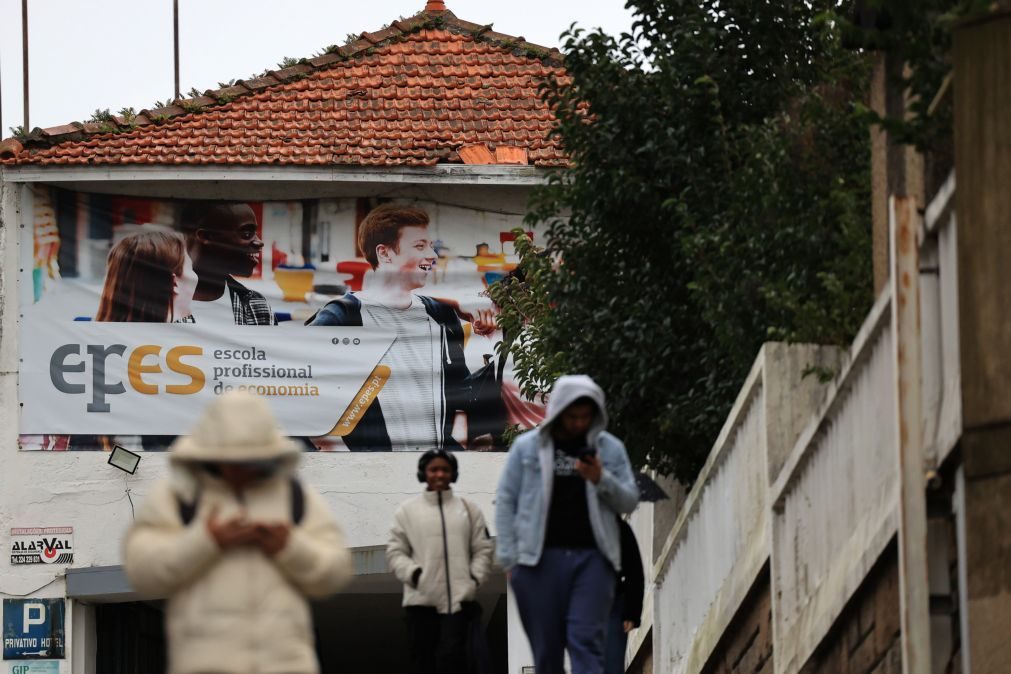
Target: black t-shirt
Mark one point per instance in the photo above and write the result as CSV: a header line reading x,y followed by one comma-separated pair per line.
x,y
569,516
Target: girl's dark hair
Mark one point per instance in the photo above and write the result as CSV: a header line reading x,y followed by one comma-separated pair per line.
x,y
139,278
433,454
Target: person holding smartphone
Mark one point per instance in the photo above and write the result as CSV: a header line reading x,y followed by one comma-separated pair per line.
x,y
558,539
237,545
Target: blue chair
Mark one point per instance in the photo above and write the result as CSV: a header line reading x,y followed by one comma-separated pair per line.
x,y
493,277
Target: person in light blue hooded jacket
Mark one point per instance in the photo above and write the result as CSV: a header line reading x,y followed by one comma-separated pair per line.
x,y
558,536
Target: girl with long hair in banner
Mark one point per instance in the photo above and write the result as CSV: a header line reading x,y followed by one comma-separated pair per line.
x,y
149,279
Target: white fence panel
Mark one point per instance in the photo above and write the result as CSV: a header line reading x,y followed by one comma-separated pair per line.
x,y
835,502
719,545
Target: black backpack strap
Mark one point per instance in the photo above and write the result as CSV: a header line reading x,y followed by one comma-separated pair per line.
x,y
297,501
188,510
343,311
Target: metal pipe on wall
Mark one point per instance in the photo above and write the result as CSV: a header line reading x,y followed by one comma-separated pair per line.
x,y
24,59
175,43
914,585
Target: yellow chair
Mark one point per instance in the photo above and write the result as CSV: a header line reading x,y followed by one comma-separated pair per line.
x,y
294,283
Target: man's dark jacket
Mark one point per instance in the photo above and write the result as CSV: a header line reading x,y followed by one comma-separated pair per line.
x,y
631,582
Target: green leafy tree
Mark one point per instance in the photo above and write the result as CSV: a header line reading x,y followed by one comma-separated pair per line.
x,y
718,197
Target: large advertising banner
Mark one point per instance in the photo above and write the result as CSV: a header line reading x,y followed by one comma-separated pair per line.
x,y
364,323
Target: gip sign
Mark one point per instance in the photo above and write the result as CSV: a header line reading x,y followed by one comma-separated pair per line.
x,y
33,629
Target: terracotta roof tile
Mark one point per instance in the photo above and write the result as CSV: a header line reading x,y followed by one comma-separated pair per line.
x,y
427,89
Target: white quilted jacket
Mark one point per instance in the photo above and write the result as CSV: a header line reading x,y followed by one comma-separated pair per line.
x,y
444,536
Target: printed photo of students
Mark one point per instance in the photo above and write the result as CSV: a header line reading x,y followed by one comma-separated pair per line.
x,y
148,279
429,380
222,239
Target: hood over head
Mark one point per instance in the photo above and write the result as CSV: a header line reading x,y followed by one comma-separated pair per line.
x,y
567,390
238,426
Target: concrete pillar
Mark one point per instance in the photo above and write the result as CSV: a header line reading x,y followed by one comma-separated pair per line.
x,y
982,56
794,390
520,655
83,638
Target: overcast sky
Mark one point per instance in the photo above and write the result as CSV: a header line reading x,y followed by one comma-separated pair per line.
x,y
89,54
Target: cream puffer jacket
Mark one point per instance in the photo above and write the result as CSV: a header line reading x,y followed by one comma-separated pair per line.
x,y
237,611
445,536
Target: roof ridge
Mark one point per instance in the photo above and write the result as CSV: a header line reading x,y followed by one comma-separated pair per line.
x,y
364,45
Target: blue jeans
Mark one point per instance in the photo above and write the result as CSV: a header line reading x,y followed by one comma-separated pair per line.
x,y
564,604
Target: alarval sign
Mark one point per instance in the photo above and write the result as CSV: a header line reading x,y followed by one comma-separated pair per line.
x,y
42,545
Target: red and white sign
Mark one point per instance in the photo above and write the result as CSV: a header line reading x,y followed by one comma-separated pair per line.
x,y
42,545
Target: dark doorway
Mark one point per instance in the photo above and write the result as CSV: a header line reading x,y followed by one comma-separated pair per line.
x,y
355,631
366,633
130,638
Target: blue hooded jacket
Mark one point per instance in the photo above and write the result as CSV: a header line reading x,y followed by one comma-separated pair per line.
x,y
524,490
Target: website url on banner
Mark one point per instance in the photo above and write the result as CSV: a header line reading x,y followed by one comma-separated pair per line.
x,y
370,389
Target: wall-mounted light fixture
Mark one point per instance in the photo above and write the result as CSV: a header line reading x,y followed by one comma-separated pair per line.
x,y
124,459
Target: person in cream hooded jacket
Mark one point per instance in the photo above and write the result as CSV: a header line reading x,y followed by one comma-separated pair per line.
x,y
555,516
219,540
440,550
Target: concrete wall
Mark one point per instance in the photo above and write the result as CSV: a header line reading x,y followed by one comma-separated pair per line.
x,y
721,542
836,500
777,541
982,141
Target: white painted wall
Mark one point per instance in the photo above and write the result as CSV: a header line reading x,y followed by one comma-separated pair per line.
x,y
81,490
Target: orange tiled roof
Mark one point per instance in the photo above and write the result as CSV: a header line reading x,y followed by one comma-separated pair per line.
x,y
425,90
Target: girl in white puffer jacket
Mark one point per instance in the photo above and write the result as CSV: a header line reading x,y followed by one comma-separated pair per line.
x,y
440,550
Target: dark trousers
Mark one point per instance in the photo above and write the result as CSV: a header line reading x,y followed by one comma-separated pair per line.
x,y
617,639
437,642
564,603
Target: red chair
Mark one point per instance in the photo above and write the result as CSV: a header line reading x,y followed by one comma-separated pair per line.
x,y
277,256
504,237
356,270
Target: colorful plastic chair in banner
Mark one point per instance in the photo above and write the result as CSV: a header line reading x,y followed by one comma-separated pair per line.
x,y
490,277
356,270
505,237
294,282
277,256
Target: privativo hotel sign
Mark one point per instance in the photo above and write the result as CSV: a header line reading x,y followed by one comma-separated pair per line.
x,y
34,629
